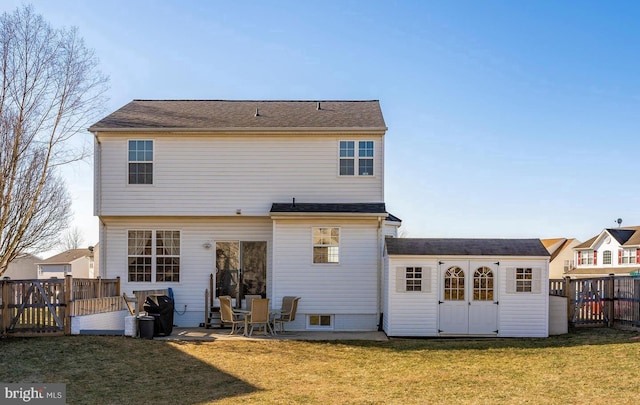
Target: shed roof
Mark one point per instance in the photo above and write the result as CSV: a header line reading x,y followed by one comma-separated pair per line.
x,y
466,247
214,115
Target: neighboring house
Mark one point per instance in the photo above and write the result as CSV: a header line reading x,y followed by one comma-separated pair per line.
x,y
23,268
458,287
76,262
613,251
562,261
274,198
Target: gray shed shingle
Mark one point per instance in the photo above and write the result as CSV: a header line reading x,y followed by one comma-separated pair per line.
x,y
241,114
466,247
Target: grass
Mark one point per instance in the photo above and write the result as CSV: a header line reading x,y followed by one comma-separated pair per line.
x,y
594,366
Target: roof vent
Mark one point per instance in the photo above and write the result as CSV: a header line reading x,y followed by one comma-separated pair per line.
x,y
257,112
293,204
318,106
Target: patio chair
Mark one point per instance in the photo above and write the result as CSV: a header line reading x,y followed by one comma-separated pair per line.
x,y
259,316
249,300
288,311
228,315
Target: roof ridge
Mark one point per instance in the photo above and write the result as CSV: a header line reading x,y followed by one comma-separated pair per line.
x,y
259,101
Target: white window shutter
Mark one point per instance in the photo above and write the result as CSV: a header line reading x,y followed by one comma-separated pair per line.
x,y
401,285
536,282
511,280
426,280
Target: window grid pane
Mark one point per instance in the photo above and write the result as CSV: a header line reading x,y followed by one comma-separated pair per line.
x,y
347,167
606,257
139,255
483,284
347,149
140,162
168,256
454,284
365,149
326,242
524,278
413,277
365,167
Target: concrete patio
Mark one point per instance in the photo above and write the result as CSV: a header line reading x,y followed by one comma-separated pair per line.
x,y
208,335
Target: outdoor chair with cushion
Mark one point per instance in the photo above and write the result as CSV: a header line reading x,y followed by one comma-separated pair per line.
x,y
228,315
288,311
259,316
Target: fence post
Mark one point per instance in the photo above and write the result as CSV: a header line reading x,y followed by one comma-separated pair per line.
x,y
118,286
212,296
68,296
6,314
611,289
567,293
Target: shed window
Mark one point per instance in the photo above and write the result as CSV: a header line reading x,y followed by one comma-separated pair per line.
x,y
524,277
454,284
483,284
414,279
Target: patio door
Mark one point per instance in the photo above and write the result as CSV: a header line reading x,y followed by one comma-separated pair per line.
x,y
241,269
468,303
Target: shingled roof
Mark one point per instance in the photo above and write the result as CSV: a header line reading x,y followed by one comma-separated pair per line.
x,y
466,247
347,208
625,236
211,115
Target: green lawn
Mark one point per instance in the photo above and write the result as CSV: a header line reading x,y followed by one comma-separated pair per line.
x,y
588,366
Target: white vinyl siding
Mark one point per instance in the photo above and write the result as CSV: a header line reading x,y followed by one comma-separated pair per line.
x,y
347,290
519,314
217,175
197,262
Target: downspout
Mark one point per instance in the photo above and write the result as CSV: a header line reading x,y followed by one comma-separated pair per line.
x,y
379,276
97,165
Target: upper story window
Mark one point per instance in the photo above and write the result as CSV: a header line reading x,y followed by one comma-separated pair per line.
x,y
628,256
356,161
140,162
606,257
585,257
326,245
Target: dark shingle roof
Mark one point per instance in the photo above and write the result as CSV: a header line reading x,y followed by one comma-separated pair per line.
x,y
348,208
466,247
237,114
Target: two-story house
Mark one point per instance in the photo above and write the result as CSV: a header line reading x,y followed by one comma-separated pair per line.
x,y
79,263
613,251
274,198
562,259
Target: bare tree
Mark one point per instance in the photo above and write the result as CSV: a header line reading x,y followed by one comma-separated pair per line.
x,y
72,239
50,91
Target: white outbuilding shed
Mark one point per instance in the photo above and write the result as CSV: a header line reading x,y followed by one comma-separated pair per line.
x,y
466,287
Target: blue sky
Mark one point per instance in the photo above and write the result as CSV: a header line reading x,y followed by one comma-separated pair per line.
x,y
506,119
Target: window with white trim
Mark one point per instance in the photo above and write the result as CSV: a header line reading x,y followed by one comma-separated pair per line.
x,y
326,245
413,279
320,321
585,257
524,279
628,256
354,161
140,162
606,257
153,253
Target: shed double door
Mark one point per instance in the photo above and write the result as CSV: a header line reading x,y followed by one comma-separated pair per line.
x,y
468,303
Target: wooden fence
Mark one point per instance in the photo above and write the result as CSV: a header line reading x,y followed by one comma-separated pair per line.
x,y
44,307
601,301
